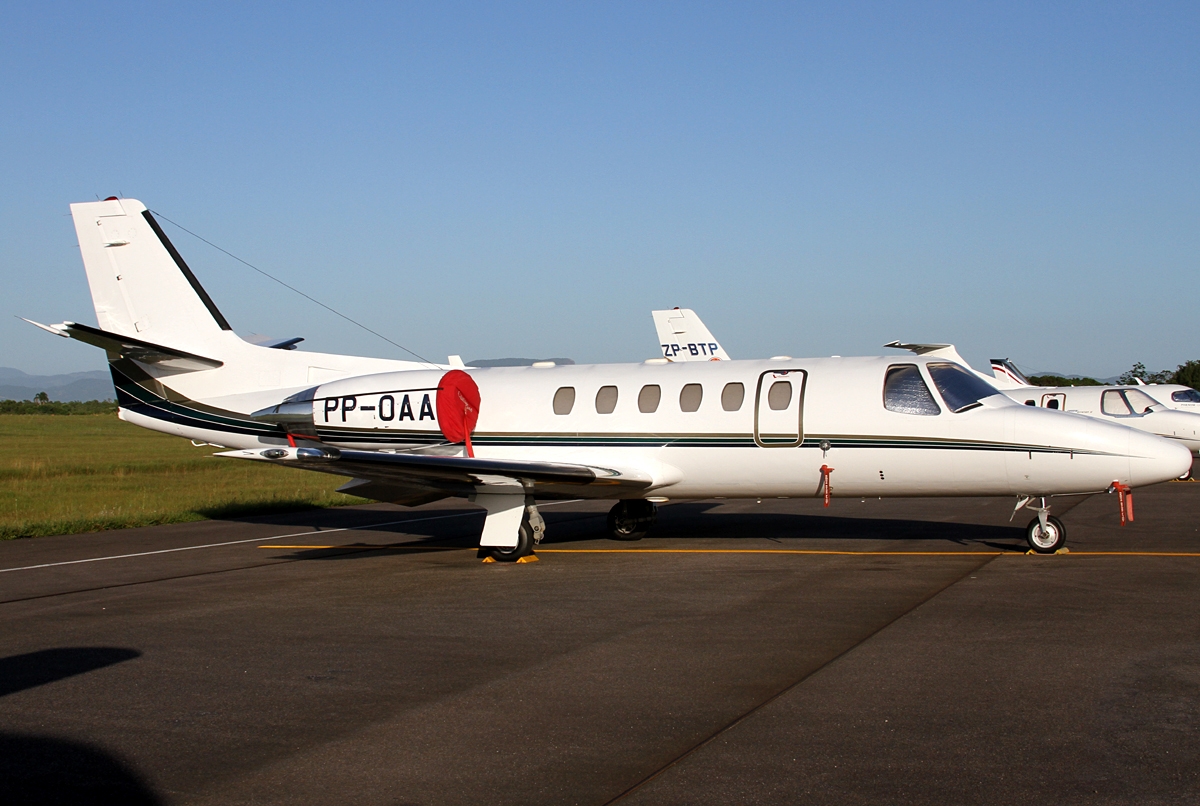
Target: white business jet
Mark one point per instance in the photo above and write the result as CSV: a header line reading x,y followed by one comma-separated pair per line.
x,y
1167,395
509,437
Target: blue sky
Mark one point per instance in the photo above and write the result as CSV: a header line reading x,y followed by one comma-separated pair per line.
x,y
1019,179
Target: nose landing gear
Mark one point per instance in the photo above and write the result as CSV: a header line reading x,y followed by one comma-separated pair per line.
x,y
1048,537
1045,534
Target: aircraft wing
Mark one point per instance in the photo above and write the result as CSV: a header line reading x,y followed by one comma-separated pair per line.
x,y
412,478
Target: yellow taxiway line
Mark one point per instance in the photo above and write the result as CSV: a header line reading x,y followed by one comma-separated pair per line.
x,y
1015,553
372,548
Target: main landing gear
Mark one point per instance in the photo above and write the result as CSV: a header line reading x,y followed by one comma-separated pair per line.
x,y
508,513
524,547
631,519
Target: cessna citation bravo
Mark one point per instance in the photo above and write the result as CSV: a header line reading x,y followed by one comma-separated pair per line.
x,y
507,438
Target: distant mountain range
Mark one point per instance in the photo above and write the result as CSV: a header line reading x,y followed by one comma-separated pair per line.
x,y
97,384
515,362
18,385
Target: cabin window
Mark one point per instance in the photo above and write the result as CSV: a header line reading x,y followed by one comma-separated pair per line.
x,y
648,398
606,400
1139,401
1186,396
690,397
1112,403
960,389
1052,403
905,392
1030,402
564,400
732,396
780,395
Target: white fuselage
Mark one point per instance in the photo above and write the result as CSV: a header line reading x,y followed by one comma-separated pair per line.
x,y
834,417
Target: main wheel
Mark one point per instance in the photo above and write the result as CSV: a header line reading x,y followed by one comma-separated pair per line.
x,y
631,519
1048,540
523,548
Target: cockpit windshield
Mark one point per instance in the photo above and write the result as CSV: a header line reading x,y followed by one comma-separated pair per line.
x,y
1186,396
1140,402
960,389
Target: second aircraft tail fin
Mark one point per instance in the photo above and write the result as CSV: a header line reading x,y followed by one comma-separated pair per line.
x,y
683,337
1005,370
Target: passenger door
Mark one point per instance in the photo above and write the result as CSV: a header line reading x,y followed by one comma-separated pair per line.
x,y
779,408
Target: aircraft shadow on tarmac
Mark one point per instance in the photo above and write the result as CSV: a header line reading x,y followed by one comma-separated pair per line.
x,y
45,770
20,672
424,521
682,521
691,521
42,769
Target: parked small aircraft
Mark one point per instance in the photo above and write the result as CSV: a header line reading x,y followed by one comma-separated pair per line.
x,y
1128,405
508,437
1168,395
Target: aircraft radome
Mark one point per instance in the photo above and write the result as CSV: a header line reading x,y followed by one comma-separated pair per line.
x,y
509,437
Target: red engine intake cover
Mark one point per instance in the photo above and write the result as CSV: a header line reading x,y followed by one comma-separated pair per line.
x,y
458,407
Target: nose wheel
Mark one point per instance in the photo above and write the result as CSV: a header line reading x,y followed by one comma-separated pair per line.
x,y
1046,538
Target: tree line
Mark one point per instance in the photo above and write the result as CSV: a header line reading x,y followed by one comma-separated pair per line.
x,y
46,406
1186,374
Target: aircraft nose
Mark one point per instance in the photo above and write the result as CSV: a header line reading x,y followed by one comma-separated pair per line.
x,y
1184,426
1153,459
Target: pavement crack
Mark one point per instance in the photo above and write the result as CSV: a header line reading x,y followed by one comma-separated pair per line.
x,y
733,723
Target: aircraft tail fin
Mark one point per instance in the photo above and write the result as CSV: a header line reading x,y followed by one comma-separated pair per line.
x,y
683,337
141,287
1007,371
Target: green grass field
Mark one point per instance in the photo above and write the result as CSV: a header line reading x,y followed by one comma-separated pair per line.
x,y
84,473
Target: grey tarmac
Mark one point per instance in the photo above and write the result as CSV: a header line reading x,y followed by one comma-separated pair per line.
x,y
900,651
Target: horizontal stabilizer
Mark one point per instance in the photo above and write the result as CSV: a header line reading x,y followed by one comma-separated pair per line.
x,y
275,344
935,350
142,351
